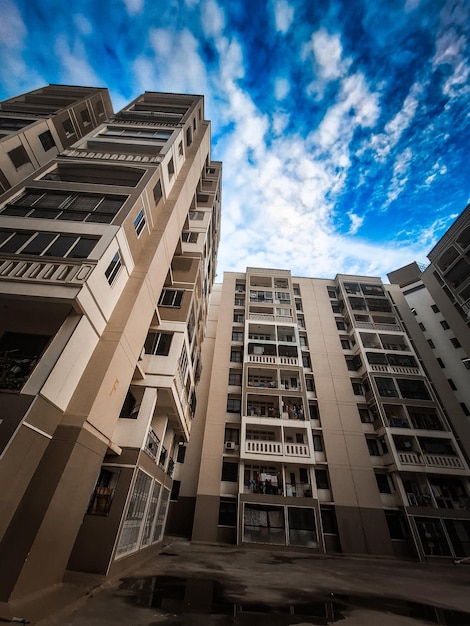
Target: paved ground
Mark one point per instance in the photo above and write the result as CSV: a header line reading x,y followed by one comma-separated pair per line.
x,y
195,584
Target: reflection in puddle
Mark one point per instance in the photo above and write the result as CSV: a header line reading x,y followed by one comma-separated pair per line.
x,y
190,599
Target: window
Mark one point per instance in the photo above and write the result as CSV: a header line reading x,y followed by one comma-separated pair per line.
x,y
234,405
331,292
77,207
340,325
373,447
180,148
86,119
194,123
306,361
317,443
68,128
189,137
175,490
345,344
455,342
239,318
229,472
383,483
46,244
441,362
422,326
20,354
171,168
129,409
171,297
465,409
413,389
431,343
19,156
445,325
321,478
452,384
435,308
103,492
386,387
357,389
113,268
309,383
196,215
158,343
227,512
235,378
158,192
134,518
47,140
181,454
328,520
189,237
236,356
139,222
397,526
100,108
237,335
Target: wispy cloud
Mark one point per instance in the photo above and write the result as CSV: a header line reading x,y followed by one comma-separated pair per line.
x,y
451,47
283,15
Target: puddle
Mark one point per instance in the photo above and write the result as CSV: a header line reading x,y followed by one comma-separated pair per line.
x,y
188,602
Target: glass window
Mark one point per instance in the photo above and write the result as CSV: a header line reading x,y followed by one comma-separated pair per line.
x,y
158,343
129,538
234,405
171,297
229,472
47,140
113,268
455,342
227,512
445,325
19,156
139,222
302,527
103,492
383,483
321,479
413,389
386,387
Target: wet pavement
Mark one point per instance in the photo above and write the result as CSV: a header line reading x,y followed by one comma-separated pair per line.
x,y
206,585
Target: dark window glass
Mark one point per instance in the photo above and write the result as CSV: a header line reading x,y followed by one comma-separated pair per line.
x,y
229,472
175,490
19,156
383,483
452,384
373,447
435,308
233,405
441,362
82,248
227,513
455,342
181,454
171,297
321,478
47,140
86,119
38,243
397,526
68,127
15,242
157,192
328,520
413,389
158,343
113,268
61,246
431,343
386,387
103,493
445,325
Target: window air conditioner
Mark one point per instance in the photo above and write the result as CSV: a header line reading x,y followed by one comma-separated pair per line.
x,y
230,445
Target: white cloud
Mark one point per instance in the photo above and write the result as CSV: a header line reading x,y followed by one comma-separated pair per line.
x,y
12,28
281,88
411,5
82,24
400,176
75,68
279,123
283,15
134,6
213,19
383,143
356,223
328,50
451,45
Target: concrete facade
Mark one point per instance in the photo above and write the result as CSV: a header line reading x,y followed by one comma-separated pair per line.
x,y
325,428
107,260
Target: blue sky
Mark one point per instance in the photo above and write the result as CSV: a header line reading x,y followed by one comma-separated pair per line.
x,y
343,125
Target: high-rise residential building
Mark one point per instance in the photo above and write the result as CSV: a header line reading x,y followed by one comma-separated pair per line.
x,y
321,425
107,259
36,126
439,296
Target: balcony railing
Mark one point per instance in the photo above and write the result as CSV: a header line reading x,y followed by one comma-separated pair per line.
x,y
273,360
277,448
433,460
393,369
269,317
372,326
29,270
152,443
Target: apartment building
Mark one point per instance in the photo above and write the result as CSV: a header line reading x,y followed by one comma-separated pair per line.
x,y
439,296
36,126
323,427
107,259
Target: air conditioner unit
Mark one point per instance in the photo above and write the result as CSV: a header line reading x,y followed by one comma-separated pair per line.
x,y
230,445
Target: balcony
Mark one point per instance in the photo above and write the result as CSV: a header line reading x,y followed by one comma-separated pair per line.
x,y
49,272
277,448
152,443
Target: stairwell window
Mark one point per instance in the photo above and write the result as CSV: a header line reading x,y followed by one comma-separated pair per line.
x,y
19,157
171,168
158,344
113,268
171,297
140,222
47,140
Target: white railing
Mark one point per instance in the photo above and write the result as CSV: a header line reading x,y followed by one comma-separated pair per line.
x,y
438,460
263,447
409,458
62,272
372,326
393,369
296,449
273,360
265,317
112,156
